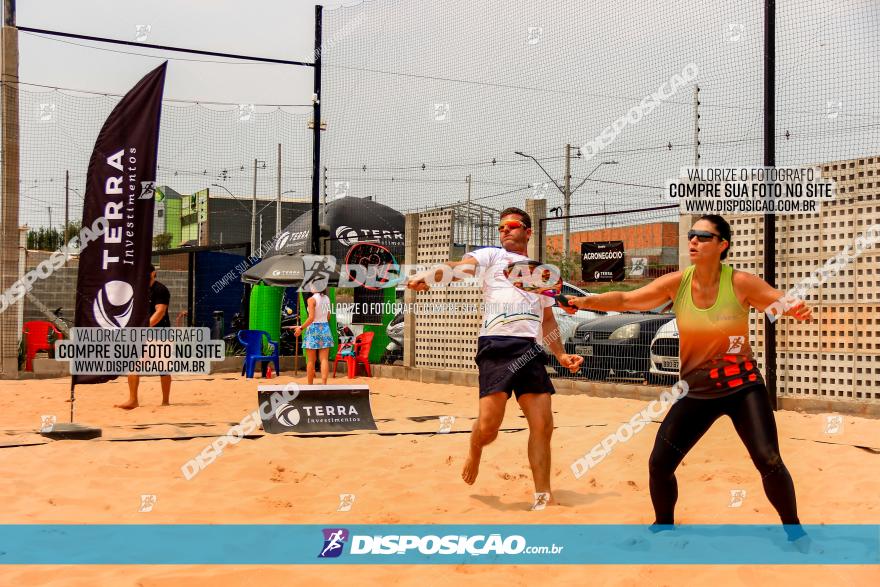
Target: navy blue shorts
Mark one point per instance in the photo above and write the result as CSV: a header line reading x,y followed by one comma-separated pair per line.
x,y
511,364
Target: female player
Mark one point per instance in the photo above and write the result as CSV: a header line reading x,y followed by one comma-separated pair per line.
x,y
711,304
318,340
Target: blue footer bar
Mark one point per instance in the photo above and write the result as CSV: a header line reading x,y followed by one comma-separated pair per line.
x,y
439,544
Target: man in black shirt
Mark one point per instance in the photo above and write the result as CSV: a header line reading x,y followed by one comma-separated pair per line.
x,y
160,297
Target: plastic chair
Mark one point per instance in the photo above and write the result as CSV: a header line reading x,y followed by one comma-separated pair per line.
x,y
36,334
362,345
252,340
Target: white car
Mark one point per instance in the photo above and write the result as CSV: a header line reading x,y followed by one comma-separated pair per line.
x,y
664,354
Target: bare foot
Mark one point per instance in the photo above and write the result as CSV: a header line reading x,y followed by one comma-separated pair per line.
x,y
471,466
542,500
129,405
166,403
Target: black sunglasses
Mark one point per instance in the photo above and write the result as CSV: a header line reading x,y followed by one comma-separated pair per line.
x,y
703,236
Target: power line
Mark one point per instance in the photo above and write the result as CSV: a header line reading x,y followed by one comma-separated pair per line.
x,y
271,60
197,102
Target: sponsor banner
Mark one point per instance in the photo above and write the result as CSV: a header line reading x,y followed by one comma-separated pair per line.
x,y
602,261
112,286
751,190
145,351
276,544
318,408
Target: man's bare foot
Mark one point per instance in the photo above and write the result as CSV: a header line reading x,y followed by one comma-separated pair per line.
x,y
542,500
166,403
129,405
471,466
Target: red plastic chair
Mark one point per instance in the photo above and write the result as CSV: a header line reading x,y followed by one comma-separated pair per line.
x,y
36,335
362,345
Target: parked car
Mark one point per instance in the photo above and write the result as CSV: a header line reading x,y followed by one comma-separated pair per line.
x,y
664,355
618,346
569,322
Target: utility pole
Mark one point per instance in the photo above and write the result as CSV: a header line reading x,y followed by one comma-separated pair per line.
x,y
566,194
467,246
66,203
278,207
696,126
254,213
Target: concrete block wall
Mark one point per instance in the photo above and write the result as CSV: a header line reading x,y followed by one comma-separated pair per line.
x,y
444,340
59,290
836,357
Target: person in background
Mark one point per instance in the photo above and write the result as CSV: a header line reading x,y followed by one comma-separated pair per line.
x,y
318,340
160,298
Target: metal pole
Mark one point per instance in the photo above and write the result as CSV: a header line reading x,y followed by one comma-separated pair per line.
x,y
470,221
278,207
254,212
696,126
316,134
770,161
566,193
66,203
324,205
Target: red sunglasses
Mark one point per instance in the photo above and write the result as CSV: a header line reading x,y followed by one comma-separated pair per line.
x,y
511,225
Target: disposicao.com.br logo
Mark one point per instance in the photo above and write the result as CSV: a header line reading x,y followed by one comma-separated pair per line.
x,y
334,540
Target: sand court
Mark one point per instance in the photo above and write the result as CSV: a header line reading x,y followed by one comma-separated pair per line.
x,y
404,473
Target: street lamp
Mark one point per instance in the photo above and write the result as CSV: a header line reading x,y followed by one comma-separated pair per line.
x,y
234,197
521,154
592,172
566,190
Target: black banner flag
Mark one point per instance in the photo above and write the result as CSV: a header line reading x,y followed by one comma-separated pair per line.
x,y
112,285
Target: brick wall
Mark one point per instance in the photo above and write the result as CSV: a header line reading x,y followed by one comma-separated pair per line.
x,y
59,291
658,241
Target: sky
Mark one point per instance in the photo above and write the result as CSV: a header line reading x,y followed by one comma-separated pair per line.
x,y
282,29
500,87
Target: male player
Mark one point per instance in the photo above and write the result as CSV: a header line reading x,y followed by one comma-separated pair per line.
x,y
508,355
160,298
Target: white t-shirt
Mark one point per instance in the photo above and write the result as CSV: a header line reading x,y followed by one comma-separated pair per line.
x,y
322,307
508,311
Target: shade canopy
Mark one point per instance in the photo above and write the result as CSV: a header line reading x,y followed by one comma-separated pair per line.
x,y
351,220
291,270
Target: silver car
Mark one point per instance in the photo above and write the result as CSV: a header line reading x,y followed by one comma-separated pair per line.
x,y
664,354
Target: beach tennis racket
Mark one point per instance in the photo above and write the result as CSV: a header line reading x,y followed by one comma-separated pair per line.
x,y
538,278
380,268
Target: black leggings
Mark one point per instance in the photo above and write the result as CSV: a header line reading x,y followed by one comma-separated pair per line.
x,y
686,423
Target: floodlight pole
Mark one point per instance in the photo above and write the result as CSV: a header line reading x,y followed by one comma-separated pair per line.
x,y
316,135
770,161
278,207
